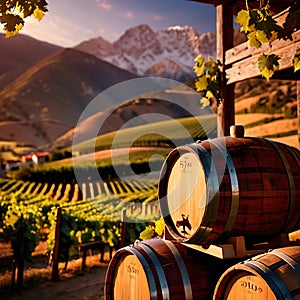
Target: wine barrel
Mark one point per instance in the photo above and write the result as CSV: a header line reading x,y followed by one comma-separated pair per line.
x,y
162,269
273,275
228,187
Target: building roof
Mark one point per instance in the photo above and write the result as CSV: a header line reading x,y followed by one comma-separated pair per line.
x,y
41,154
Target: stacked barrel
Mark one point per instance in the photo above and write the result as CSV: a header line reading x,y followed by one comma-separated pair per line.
x,y
210,191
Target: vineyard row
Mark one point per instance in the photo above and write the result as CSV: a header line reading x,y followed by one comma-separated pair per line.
x,y
137,196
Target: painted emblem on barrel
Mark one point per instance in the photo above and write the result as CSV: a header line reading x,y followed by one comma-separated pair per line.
x,y
184,223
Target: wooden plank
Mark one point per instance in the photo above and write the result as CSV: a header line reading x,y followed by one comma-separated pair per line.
x,y
244,51
248,68
225,251
294,236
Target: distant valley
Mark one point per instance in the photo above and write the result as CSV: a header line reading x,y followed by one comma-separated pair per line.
x,y
44,88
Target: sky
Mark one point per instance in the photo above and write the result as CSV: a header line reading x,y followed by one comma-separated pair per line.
x,y
69,22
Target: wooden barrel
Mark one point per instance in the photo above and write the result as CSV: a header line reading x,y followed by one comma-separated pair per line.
x,y
274,275
230,186
162,269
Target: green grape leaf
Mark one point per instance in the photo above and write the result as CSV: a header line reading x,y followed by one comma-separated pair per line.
x,y
243,18
199,65
255,18
267,73
160,226
213,87
212,66
204,102
268,64
268,25
12,22
261,37
201,84
252,40
38,14
147,233
296,60
209,95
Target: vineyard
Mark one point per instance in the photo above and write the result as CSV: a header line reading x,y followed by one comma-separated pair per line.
x,y
90,212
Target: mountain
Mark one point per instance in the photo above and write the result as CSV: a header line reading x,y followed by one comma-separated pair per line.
x,y
48,99
166,53
18,54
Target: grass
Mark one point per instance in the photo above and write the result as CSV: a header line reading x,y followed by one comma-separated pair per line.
x,y
139,156
166,133
256,119
274,129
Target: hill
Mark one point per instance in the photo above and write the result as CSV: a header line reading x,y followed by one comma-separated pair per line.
x,y
262,96
47,100
136,112
18,54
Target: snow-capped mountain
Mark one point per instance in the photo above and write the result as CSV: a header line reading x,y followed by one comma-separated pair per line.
x,y
166,53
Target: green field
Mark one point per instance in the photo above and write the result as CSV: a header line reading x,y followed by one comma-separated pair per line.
x,y
161,134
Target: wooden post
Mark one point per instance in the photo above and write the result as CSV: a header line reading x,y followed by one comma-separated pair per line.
x,y
224,36
55,254
13,273
298,104
123,228
19,257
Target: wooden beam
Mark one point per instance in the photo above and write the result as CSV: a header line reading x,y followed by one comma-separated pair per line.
x,y
248,67
242,61
243,50
224,34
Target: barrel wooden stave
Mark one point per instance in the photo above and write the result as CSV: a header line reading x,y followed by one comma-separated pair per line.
x,y
268,195
273,275
177,272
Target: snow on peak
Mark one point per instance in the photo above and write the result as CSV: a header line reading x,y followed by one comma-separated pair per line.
x,y
141,49
178,28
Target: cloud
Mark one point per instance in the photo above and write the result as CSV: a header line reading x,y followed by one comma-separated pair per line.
x,y
127,15
104,4
158,18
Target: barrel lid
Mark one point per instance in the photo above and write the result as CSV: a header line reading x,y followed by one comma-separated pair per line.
x,y
130,280
186,192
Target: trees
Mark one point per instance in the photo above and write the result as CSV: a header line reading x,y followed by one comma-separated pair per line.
x,y
14,12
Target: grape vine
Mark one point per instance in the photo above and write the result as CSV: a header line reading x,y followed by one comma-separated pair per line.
x,y
208,78
261,28
28,217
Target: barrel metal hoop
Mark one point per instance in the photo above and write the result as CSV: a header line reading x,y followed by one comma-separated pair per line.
x,y
293,263
274,282
291,183
162,191
148,271
212,204
235,193
183,271
159,269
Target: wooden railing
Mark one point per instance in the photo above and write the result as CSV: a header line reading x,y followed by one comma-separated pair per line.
x,y
242,61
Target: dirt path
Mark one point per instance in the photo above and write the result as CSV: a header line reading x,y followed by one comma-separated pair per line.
x,y
73,284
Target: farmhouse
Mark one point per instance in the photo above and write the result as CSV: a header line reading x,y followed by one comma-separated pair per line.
x,y
40,157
